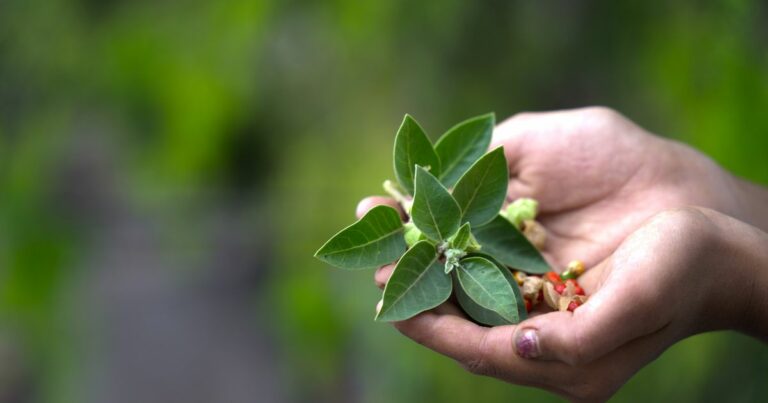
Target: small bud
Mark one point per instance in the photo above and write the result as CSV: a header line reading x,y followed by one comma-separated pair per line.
x,y
519,277
521,210
412,234
574,269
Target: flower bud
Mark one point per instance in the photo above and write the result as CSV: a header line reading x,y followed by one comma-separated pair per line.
x,y
412,234
521,210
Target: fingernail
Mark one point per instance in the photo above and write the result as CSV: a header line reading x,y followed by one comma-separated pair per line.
x,y
527,343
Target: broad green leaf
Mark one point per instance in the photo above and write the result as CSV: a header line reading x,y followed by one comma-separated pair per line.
x,y
374,240
412,147
486,316
434,211
482,189
418,283
486,285
462,145
502,240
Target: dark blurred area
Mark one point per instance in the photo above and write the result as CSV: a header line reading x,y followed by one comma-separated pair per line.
x,y
168,168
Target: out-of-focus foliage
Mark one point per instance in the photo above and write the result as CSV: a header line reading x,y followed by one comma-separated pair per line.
x,y
280,115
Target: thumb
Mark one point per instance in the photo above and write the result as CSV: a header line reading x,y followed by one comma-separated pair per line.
x,y
612,317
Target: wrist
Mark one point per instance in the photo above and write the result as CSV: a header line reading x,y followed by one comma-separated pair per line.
x,y
739,261
753,202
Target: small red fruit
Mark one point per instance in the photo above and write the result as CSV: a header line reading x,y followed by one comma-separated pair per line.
x,y
553,277
573,305
528,305
560,288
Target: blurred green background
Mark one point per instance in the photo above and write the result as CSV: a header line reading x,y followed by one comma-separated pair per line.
x,y
168,168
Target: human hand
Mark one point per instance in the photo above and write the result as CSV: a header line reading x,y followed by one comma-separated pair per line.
x,y
682,272
597,176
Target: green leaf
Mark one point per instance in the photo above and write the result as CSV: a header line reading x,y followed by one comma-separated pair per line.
x,y
462,145
412,147
374,240
502,240
482,189
460,240
434,211
416,285
487,286
486,316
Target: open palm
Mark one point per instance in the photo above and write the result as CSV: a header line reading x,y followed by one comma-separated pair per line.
x,y
598,176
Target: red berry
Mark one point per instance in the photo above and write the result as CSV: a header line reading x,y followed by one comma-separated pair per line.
x,y
579,291
560,288
528,305
573,305
553,277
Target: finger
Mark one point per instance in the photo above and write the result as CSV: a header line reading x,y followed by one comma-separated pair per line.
x,y
481,350
373,201
610,318
382,275
512,134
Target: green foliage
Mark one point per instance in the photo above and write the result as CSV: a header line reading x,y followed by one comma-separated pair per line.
x,y
417,284
502,240
484,286
374,240
434,210
482,189
462,145
412,147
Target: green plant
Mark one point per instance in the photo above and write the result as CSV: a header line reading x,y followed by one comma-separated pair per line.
x,y
456,240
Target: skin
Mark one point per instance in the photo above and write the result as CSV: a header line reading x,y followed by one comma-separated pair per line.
x,y
623,202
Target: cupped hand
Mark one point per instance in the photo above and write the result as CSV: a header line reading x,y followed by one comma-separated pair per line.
x,y
683,272
599,178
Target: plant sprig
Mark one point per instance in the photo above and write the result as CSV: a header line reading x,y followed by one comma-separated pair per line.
x,y
455,240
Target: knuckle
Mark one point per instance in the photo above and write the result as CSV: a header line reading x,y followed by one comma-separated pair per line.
x,y
604,113
689,222
576,352
480,364
521,115
477,366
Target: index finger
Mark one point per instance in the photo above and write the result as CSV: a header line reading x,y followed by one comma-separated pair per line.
x,y
372,201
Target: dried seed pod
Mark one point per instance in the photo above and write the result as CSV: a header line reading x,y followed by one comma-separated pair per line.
x,y
531,287
566,303
535,233
570,288
551,297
